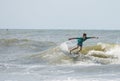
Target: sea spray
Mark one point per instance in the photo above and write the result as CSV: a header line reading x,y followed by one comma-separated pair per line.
x,y
68,45
64,46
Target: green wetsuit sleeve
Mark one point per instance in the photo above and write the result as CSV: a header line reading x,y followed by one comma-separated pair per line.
x,y
79,38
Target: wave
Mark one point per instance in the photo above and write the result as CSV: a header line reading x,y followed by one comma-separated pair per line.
x,y
22,41
101,53
24,45
48,52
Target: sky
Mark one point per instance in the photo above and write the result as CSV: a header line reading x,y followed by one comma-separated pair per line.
x,y
60,14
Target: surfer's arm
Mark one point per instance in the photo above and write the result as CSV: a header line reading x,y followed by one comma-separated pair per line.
x,y
72,38
92,37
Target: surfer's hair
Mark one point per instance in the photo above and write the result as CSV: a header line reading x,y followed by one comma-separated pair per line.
x,y
84,34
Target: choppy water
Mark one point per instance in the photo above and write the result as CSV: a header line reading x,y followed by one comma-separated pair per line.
x,y
35,55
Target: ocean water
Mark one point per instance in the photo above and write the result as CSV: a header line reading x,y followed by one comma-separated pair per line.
x,y
35,55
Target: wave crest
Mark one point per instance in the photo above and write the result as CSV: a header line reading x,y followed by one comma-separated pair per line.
x,y
99,54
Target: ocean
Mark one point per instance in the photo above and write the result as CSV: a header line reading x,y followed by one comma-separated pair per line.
x,y
35,55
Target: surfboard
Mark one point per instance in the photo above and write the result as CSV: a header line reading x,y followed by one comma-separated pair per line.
x,y
65,48
70,54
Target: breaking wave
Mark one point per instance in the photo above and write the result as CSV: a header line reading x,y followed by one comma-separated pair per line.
x,y
98,54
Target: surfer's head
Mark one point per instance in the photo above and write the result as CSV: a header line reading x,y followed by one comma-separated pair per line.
x,y
84,35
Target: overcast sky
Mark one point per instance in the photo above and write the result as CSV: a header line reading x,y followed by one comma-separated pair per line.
x,y
59,14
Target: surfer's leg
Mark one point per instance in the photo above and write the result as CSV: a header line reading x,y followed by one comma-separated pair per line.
x,y
80,48
74,49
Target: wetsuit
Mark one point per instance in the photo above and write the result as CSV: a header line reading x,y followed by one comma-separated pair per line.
x,y
81,40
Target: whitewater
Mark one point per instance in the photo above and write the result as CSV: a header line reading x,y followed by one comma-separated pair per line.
x,y
37,55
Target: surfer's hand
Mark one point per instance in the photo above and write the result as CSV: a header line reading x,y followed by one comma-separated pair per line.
x,y
69,39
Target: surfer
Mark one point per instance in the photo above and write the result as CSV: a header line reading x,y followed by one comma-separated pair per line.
x,y
80,41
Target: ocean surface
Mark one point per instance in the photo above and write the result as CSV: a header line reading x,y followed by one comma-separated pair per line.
x,y
35,55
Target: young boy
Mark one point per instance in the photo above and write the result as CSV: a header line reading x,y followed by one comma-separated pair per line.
x,y
80,41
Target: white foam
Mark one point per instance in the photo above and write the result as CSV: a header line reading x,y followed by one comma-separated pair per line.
x,y
67,45
114,51
110,49
89,79
64,46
